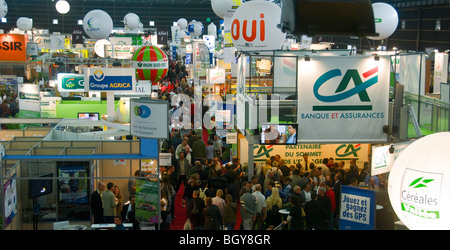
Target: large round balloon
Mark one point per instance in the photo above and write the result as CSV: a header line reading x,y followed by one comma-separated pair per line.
x,y
97,24
131,21
419,182
254,26
386,20
223,8
3,8
182,23
24,24
195,28
151,63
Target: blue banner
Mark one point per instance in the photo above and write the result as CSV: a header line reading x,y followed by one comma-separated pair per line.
x,y
358,208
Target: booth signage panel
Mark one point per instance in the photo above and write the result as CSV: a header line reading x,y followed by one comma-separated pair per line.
x,y
358,208
70,82
293,154
383,160
29,97
440,71
348,94
110,79
13,48
149,118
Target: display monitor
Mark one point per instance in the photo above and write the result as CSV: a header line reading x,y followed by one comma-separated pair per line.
x,y
278,134
88,116
40,187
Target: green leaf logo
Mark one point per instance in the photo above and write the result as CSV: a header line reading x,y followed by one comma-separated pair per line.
x,y
420,182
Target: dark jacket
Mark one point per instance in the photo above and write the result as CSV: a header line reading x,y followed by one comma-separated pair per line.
x,y
97,207
195,218
213,218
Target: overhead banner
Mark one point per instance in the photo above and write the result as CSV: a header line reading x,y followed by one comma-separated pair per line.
x,y
343,99
293,154
13,48
109,79
70,82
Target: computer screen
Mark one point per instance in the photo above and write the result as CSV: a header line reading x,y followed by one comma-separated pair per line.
x,y
278,134
40,187
88,116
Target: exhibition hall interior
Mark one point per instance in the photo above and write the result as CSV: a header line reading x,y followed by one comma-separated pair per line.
x,y
224,115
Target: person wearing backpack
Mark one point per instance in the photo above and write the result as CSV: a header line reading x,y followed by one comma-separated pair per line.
x,y
229,213
204,190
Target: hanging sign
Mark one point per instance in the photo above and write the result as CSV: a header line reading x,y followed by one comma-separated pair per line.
x,y
13,48
109,79
149,118
348,94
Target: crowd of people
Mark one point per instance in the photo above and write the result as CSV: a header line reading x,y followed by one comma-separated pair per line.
x,y
217,193
214,189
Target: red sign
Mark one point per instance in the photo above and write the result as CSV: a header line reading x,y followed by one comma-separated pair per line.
x,y
13,48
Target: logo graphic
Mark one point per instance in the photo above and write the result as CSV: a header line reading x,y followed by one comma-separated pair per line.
x,y
420,194
236,29
142,111
349,150
99,75
370,77
263,151
420,182
73,83
90,24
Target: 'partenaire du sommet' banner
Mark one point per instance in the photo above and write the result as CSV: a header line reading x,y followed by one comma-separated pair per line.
x,y
343,99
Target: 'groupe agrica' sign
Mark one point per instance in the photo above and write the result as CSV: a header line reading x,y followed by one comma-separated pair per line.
x,y
13,48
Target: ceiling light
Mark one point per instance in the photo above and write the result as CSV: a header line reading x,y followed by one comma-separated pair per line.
x,y
62,6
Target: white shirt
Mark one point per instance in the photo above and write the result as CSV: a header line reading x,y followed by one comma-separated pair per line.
x,y
260,201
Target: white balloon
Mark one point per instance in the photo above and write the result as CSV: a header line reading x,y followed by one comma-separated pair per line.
x,y
223,8
195,28
182,23
3,8
212,29
99,47
131,21
24,24
62,6
419,182
386,20
97,24
254,27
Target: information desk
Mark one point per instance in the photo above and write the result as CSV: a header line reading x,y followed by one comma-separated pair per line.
x,y
109,226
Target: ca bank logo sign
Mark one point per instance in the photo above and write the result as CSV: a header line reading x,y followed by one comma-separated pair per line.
x,y
361,83
347,152
142,111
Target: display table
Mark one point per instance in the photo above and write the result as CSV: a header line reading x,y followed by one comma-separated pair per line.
x,y
73,227
104,226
